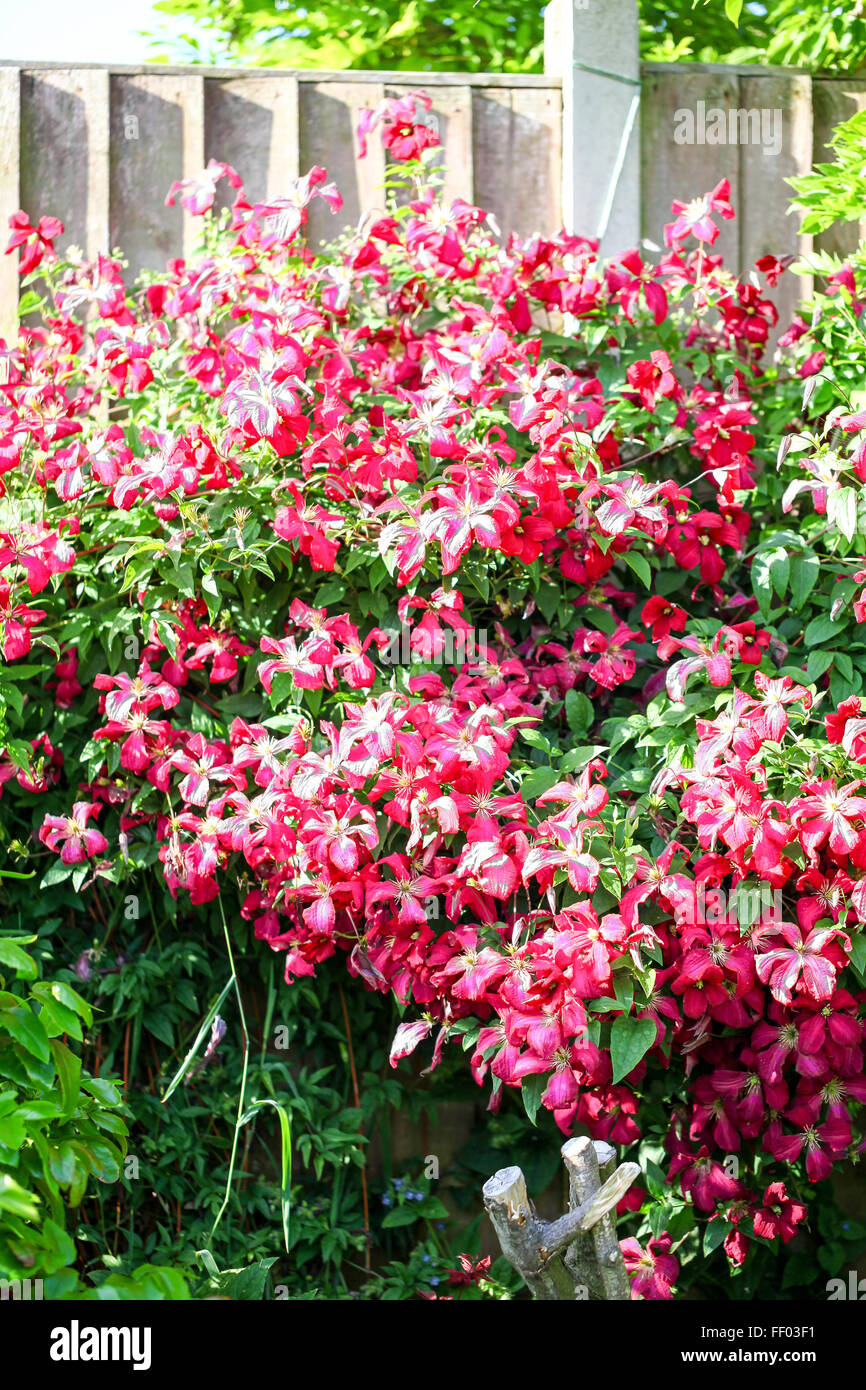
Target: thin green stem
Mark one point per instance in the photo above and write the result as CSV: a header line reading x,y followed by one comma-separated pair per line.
x,y
243,1090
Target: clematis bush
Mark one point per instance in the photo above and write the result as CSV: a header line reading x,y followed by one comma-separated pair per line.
x,y
486,617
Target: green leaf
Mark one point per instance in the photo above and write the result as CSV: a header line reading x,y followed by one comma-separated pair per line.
x,y
714,1233
547,600
105,1091
601,618
401,1216
202,1033
844,665
56,1019
433,1209
12,955
630,1040
285,1159
71,999
26,1030
817,664
211,593
329,593
641,567
803,577
623,988
532,1088
12,1131
62,1163
68,1073
602,1005
580,756
537,782
579,711
780,568
16,1200
160,1026
247,1283
820,630
761,581
858,954
29,303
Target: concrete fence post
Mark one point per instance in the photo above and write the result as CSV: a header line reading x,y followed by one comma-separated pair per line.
x,y
593,46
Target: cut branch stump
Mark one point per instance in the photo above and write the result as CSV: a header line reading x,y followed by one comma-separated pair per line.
x,y
577,1256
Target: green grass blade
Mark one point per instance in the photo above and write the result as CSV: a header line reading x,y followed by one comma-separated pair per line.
x,y
286,1159
200,1037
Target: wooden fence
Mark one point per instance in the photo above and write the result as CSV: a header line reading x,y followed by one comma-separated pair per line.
x,y
592,144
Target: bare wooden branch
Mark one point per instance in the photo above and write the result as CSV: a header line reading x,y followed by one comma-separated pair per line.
x,y
520,1232
596,1260
580,1257
560,1233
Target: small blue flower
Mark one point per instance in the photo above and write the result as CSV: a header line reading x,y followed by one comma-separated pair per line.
x,y
386,1200
425,1259
434,1279
398,1183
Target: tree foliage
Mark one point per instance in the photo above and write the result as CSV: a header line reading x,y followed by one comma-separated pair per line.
x,y
422,35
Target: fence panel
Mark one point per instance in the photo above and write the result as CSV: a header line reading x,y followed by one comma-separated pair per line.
x,y
517,156
685,170
157,136
99,147
750,125
251,122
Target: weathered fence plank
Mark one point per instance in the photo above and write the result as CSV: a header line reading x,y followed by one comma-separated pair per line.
x,y
451,115
64,157
330,112
517,154
765,227
157,136
594,48
251,122
686,171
